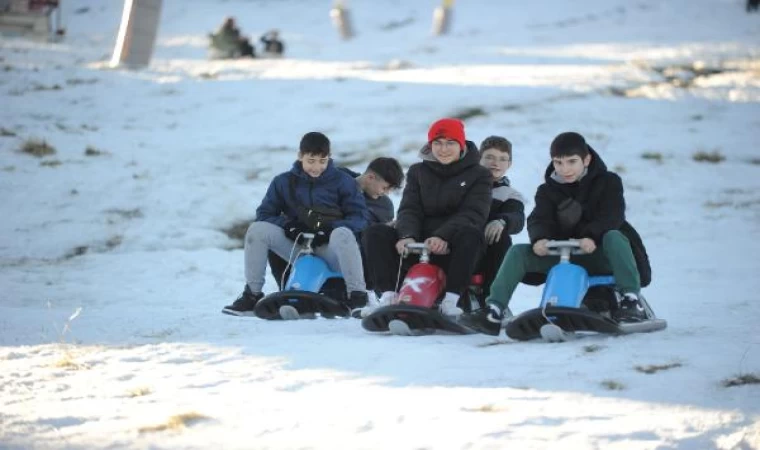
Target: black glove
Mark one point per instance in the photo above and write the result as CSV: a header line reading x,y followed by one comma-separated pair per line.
x,y
322,236
295,228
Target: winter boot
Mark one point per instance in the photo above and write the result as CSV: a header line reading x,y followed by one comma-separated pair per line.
x,y
449,305
487,320
388,298
356,301
244,304
629,309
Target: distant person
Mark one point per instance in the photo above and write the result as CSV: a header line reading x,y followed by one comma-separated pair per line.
x,y
381,176
752,5
227,42
273,46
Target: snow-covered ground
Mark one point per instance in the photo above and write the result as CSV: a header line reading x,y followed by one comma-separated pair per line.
x,y
114,265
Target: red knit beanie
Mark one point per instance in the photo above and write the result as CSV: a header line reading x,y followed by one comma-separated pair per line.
x,y
452,129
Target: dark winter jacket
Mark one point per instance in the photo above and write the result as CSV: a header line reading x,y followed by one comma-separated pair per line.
x,y
438,199
507,204
588,208
333,189
379,210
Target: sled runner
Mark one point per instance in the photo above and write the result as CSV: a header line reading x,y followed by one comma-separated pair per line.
x,y
416,311
312,290
574,303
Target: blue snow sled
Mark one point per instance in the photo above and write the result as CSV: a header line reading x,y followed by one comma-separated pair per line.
x,y
312,289
568,305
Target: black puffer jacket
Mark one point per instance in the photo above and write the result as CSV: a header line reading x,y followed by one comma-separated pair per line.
x,y
585,209
438,199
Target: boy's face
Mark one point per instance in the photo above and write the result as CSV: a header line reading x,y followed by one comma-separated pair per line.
x,y
446,151
570,168
314,165
375,186
495,160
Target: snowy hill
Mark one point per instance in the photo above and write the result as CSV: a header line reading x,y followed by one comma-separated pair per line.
x,y
116,256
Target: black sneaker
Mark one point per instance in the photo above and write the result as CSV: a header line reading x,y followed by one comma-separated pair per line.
x,y
356,301
486,320
629,309
244,304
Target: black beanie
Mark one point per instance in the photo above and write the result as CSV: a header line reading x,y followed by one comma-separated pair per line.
x,y
568,144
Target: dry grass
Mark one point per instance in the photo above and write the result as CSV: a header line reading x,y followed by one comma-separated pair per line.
x,y
653,156
92,151
178,422
488,408
593,348
469,113
50,163
69,363
4,132
714,156
612,385
37,147
741,380
139,392
754,161
654,368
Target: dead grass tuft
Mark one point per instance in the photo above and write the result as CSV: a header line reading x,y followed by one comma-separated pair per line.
x,y
593,348
612,385
4,132
741,380
178,422
92,151
469,113
50,163
139,392
37,147
488,408
237,230
654,156
714,156
69,363
654,368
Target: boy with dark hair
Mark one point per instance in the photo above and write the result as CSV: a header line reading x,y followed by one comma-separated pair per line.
x,y
381,176
445,204
580,199
507,215
312,184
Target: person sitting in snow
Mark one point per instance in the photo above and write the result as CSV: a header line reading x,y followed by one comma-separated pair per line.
x,y
445,203
227,42
507,215
580,199
312,197
381,176
273,46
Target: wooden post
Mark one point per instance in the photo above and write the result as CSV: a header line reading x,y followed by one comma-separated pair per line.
x,y
341,18
137,33
442,17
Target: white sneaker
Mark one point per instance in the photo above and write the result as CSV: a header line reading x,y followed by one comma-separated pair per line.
x,y
449,305
387,298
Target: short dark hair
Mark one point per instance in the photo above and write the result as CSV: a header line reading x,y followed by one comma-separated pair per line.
x,y
569,143
388,169
314,143
498,143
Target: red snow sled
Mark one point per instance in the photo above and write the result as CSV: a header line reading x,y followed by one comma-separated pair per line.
x,y
416,310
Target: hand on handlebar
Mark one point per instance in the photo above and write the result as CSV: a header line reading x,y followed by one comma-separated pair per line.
x,y
401,245
437,245
540,248
587,245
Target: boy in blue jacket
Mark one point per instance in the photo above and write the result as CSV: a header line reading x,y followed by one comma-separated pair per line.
x,y
312,185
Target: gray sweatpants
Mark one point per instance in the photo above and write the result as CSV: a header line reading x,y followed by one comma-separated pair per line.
x,y
341,254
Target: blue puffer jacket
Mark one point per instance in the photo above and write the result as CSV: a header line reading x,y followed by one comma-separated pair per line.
x,y
334,189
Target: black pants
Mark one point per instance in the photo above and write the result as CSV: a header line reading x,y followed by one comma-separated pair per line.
x,y
379,243
490,263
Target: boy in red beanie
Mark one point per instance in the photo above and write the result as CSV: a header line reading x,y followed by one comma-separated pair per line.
x,y
445,204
